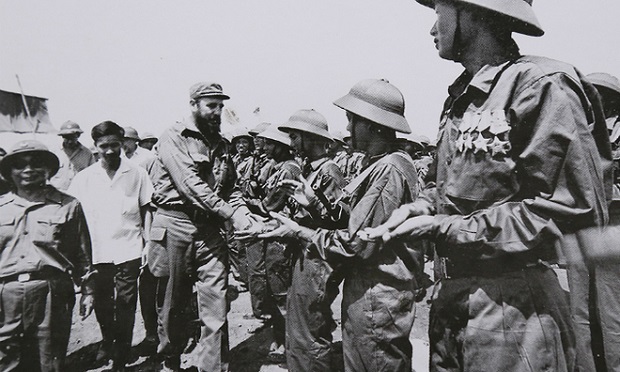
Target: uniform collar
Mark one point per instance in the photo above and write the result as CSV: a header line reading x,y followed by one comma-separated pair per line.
x,y
51,194
483,80
318,162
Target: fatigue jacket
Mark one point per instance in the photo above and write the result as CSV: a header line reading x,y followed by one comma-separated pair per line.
x,y
274,199
325,178
192,172
256,175
349,164
389,182
522,158
70,165
52,233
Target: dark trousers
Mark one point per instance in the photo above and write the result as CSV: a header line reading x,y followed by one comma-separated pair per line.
x,y
116,295
35,322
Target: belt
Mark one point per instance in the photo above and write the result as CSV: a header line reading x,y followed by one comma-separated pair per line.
x,y
184,211
27,277
492,267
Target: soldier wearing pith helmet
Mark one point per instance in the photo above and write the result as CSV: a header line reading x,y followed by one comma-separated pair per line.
x,y
314,283
519,173
44,243
381,279
73,156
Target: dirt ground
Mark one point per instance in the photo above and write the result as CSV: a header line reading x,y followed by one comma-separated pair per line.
x,y
249,343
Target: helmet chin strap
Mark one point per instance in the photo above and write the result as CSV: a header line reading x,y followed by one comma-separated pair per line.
x,y
457,44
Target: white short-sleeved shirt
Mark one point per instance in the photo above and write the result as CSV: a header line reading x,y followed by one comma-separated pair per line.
x,y
112,209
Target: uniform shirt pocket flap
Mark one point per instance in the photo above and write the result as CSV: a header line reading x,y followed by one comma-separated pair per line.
x,y
7,220
157,234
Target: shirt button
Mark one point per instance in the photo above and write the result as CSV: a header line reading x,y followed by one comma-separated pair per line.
x,y
25,232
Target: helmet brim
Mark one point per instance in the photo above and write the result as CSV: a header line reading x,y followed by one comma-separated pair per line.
x,y
373,113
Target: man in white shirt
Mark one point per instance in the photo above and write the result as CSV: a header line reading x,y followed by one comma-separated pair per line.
x,y
115,194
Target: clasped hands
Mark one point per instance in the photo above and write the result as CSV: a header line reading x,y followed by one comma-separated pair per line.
x,y
276,227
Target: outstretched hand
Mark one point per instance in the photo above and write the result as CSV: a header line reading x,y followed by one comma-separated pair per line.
x,y
398,216
414,227
287,228
299,189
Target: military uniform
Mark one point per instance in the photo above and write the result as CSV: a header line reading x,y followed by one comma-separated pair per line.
x,y
71,163
42,244
192,179
516,170
269,262
309,323
380,279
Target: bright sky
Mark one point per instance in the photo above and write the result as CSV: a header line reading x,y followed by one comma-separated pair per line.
x,y
133,61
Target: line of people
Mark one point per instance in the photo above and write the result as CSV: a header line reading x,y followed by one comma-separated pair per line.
x,y
521,189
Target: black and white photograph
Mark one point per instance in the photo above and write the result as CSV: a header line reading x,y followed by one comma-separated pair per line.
x,y
310,186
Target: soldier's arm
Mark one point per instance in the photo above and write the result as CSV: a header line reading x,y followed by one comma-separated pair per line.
x,y
559,170
183,170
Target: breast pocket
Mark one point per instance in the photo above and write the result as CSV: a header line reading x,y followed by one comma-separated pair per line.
x,y
47,231
7,229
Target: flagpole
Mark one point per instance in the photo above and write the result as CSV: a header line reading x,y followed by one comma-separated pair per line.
x,y
21,92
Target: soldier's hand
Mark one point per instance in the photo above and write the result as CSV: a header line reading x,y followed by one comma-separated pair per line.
x,y
287,228
299,189
398,216
415,227
87,302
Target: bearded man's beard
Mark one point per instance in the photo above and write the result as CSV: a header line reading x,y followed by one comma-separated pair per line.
x,y
210,126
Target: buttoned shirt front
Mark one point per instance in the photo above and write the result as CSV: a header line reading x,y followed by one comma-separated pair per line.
x,y
112,209
51,233
71,163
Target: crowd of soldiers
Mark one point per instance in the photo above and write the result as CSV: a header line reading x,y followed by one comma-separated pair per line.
x,y
517,190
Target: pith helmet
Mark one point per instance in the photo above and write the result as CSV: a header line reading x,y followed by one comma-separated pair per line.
x,y
260,128
241,133
379,101
524,20
132,133
24,147
276,135
69,127
308,121
148,136
605,80
341,137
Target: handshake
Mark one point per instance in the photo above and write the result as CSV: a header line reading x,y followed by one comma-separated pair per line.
x,y
275,227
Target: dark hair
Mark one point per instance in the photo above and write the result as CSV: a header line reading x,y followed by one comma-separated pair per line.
x,y
107,128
